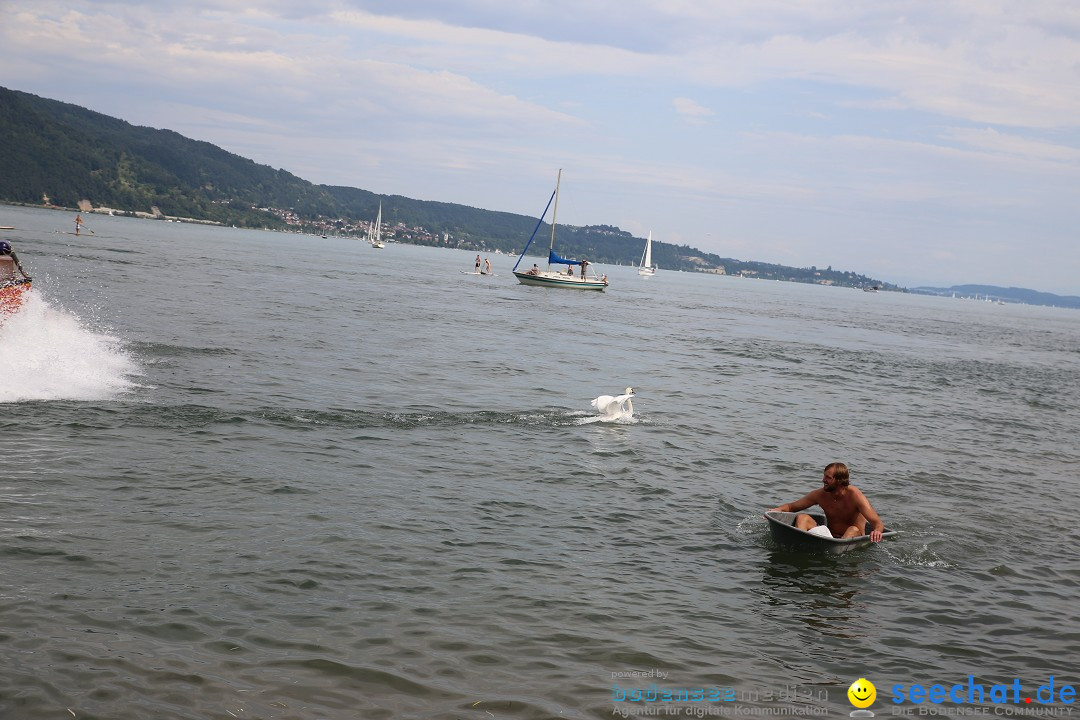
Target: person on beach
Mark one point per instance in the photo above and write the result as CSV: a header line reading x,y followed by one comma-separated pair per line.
x,y
9,262
847,511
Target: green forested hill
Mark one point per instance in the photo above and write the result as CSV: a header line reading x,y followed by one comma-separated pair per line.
x,y
68,154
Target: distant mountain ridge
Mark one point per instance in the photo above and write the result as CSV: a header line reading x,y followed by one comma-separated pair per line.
x,y
1010,294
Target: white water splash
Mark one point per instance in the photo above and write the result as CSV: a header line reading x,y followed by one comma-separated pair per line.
x,y
46,354
613,419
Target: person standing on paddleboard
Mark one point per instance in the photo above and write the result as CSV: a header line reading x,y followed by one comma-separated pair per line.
x,y
847,511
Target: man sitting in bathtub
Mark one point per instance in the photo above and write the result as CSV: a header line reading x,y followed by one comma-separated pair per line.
x,y
847,511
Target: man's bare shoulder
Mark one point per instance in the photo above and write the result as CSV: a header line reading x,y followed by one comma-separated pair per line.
x,y
857,493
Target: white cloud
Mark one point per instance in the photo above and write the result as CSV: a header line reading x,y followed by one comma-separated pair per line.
x,y
691,111
1000,143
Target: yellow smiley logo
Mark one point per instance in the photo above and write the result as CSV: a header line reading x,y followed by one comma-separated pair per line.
x,y
862,693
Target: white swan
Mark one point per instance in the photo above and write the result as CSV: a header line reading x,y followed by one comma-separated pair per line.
x,y
614,408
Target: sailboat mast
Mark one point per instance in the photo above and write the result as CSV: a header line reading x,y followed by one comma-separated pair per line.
x,y
554,216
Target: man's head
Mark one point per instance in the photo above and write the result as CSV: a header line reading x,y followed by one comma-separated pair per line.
x,y
835,476
5,248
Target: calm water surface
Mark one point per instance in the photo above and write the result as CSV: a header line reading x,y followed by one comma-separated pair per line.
x,y
262,475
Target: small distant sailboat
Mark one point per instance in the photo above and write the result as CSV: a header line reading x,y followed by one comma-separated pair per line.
x,y
553,278
375,231
647,268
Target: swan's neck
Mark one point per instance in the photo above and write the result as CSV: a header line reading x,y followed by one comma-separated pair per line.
x,y
629,407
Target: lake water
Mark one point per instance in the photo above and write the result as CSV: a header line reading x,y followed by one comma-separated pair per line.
x,y
263,475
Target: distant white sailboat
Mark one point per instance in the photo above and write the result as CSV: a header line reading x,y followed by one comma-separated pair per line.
x,y
375,231
647,268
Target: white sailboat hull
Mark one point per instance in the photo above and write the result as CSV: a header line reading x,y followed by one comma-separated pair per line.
x,y
553,279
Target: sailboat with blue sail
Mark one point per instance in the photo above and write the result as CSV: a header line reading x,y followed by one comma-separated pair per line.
x,y
555,278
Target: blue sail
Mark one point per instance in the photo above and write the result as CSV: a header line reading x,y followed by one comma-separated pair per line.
x,y
554,259
538,224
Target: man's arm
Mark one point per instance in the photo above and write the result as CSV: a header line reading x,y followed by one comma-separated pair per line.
x,y
808,500
15,258
868,512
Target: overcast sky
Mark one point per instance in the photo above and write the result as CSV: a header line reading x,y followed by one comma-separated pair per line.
x,y
925,142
